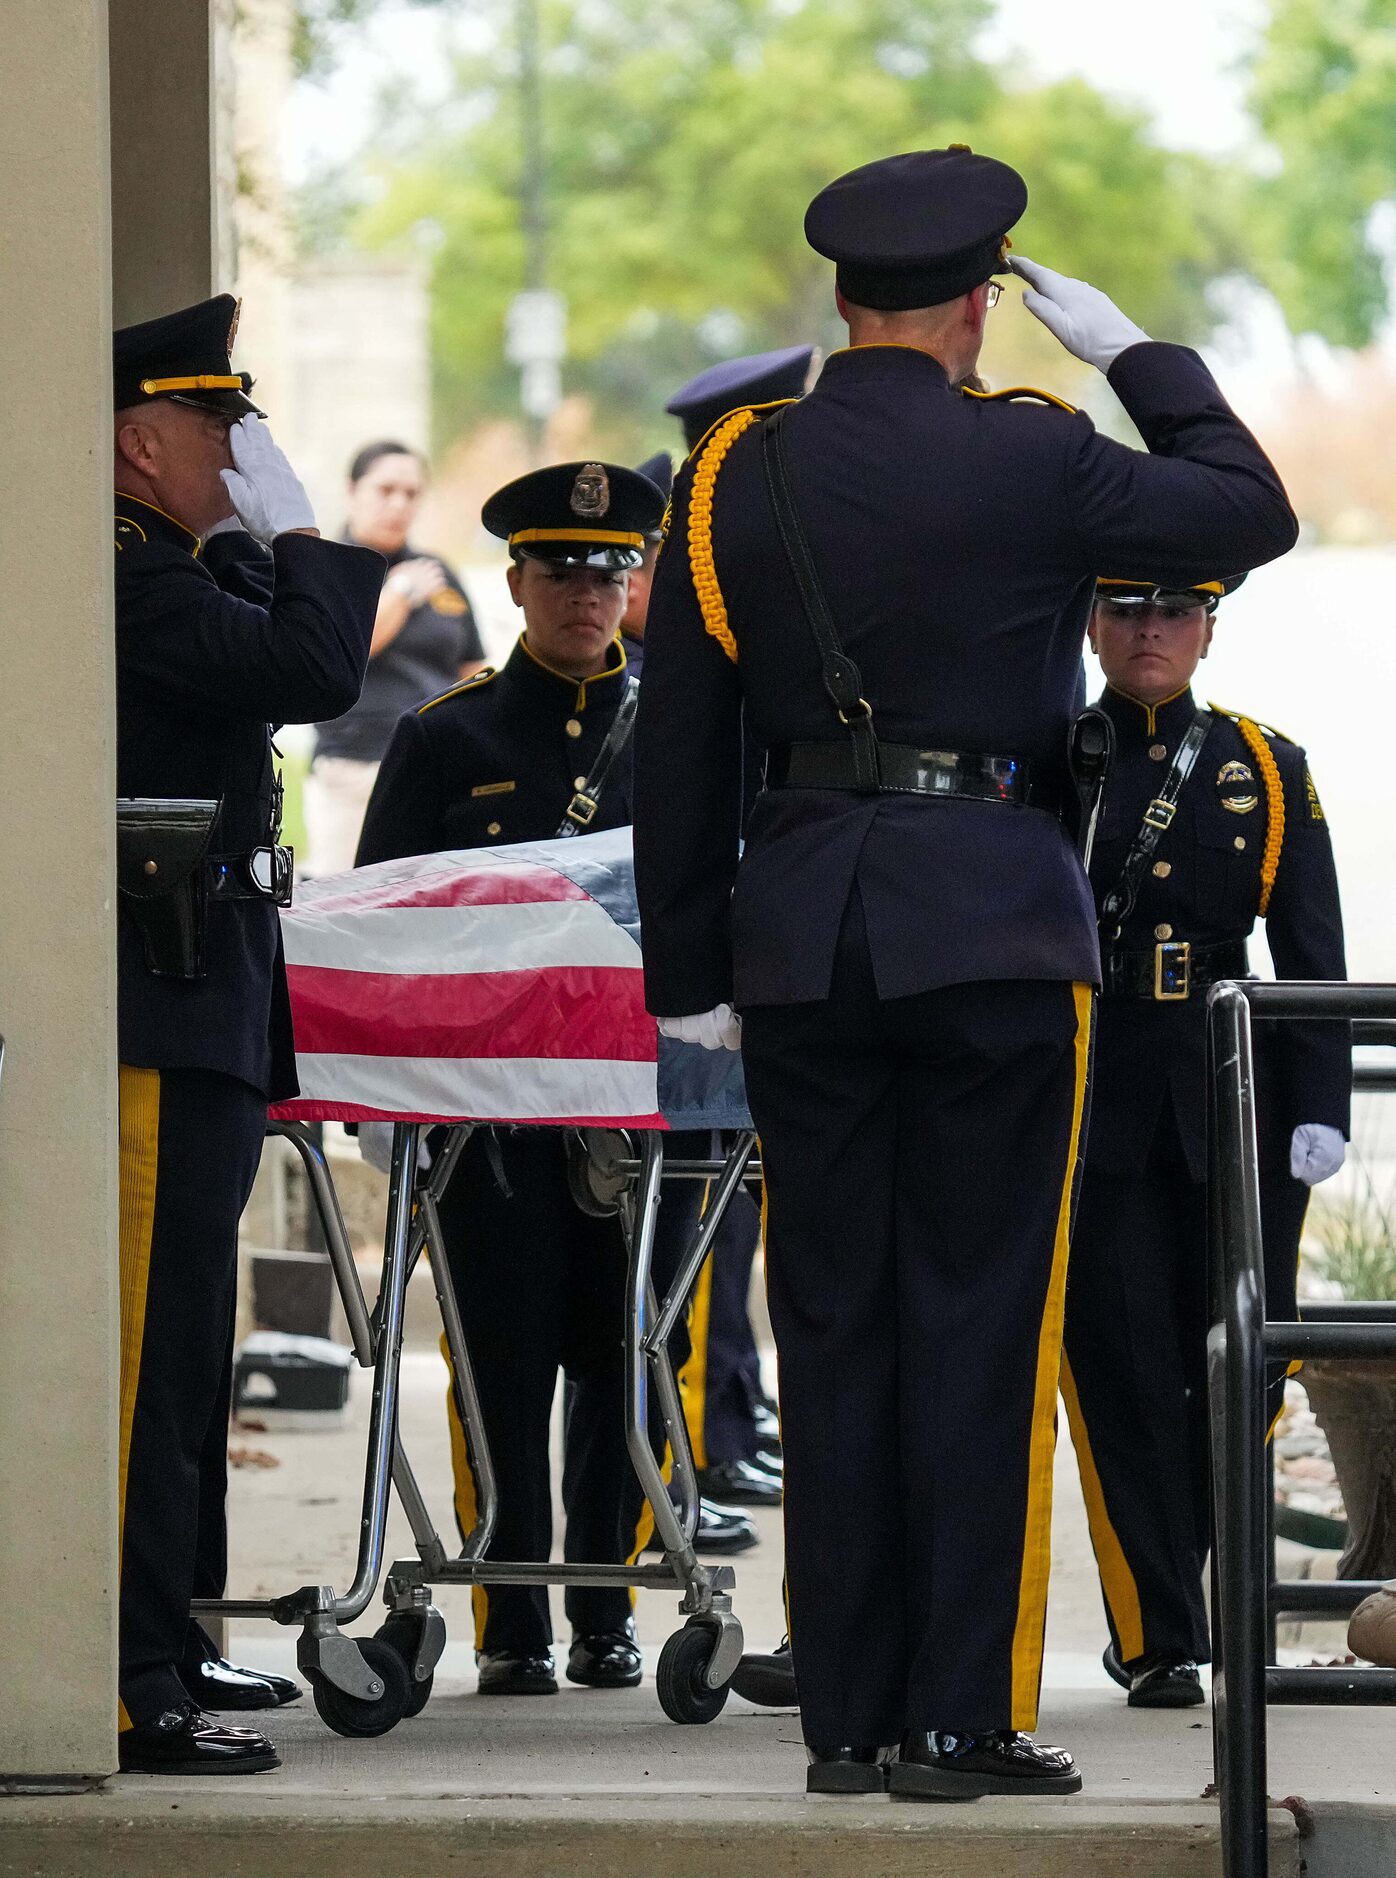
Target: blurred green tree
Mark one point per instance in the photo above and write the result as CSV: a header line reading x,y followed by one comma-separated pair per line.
x,y
1323,89
681,147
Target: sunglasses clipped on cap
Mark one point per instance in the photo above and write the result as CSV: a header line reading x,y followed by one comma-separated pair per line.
x,y
1169,603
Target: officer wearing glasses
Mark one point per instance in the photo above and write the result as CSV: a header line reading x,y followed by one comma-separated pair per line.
x,y
1210,821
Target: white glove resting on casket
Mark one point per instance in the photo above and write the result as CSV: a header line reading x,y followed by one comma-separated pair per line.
x,y
1087,321
1316,1152
265,491
718,1029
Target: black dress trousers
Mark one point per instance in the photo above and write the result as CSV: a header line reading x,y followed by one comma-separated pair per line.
x,y
541,1287
920,1156
190,1143
1135,1379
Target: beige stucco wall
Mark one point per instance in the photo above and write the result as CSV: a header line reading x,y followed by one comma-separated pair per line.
x,y
58,1198
163,212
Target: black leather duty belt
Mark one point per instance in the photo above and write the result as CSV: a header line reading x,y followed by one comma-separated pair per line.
x,y
1172,971
906,770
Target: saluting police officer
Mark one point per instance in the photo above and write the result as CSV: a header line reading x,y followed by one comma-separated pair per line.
x,y
541,1285
1210,821
230,613
892,577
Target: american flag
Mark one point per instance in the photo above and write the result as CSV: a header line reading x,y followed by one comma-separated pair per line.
x,y
498,984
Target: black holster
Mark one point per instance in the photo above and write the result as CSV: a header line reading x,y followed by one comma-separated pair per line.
x,y
162,882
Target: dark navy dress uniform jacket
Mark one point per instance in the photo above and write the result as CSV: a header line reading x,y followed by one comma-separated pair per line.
x,y
958,541
211,648
496,759
1150,1057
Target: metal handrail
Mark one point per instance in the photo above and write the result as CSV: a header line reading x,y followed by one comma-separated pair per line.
x,y
1240,1340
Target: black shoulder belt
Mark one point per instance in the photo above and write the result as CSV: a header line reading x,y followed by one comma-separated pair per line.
x,y
581,810
842,679
1118,904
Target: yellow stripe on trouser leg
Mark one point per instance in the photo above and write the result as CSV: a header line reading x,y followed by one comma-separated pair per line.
x,y
766,1275
139,1110
1037,1527
693,1377
466,1497
1116,1578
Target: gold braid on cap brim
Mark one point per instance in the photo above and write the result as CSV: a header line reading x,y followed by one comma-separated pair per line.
x,y
1259,746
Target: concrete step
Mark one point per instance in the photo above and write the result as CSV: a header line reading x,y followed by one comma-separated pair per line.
x,y
165,1833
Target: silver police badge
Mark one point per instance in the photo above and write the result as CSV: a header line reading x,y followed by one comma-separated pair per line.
x,y
1231,778
591,492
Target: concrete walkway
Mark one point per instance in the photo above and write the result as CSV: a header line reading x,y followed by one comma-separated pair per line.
x,y
598,1783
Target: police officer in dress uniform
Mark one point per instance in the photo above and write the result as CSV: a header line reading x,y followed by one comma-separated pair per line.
x,y
893,576
1243,835
230,612
499,759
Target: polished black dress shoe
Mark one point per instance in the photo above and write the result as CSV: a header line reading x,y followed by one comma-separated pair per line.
x,y
945,1765
769,1679
609,1660
219,1685
721,1529
741,1483
1162,1679
502,1673
766,1423
847,1769
185,1741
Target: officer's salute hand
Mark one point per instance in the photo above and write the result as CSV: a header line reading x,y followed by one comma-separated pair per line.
x,y
1087,321
263,488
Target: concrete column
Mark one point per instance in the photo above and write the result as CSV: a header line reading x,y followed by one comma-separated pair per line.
x,y
58,1147
163,190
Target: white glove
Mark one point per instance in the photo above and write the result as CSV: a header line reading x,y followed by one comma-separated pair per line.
x,y
719,1029
264,490
1087,321
1316,1152
376,1147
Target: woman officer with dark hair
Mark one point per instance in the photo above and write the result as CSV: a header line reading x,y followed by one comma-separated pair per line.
x,y
424,638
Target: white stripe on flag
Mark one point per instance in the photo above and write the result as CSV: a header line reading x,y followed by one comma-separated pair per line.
x,y
447,939
493,1088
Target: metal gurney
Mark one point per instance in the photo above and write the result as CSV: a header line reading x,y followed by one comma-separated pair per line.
x,y
499,985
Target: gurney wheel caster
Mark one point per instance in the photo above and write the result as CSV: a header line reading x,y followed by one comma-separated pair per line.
x,y
684,1694
402,1634
347,1714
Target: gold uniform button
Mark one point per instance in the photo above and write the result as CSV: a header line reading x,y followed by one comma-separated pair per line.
x,y
579,782
1162,869
572,727
1158,751
494,829
1164,931
1240,842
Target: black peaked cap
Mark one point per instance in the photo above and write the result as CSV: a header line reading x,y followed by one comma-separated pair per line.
x,y
186,356
757,378
918,229
583,514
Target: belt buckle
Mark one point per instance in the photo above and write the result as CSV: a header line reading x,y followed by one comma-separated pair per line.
x,y
1159,814
582,809
1173,971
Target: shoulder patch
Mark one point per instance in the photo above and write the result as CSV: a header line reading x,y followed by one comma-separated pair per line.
x,y
1020,394
751,410
473,683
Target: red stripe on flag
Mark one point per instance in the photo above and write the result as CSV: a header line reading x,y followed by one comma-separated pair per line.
x,y
487,883
313,1109
556,1011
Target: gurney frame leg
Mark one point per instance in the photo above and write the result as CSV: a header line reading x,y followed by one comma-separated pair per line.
x,y
698,1661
